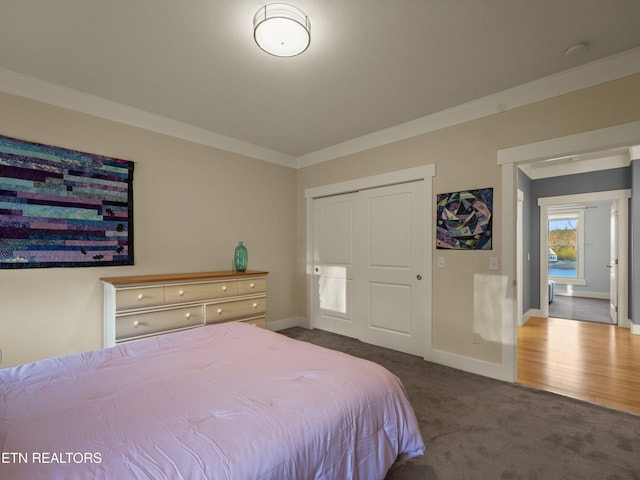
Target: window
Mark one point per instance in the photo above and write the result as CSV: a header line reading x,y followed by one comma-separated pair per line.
x,y
566,245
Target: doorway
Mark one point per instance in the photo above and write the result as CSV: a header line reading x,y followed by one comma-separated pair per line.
x,y
587,259
625,136
582,262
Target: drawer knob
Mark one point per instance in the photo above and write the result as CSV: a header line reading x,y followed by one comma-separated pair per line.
x,y
252,285
255,305
136,324
224,288
140,297
219,311
181,293
188,316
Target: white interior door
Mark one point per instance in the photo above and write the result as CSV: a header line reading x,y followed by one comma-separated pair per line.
x,y
390,304
613,265
333,263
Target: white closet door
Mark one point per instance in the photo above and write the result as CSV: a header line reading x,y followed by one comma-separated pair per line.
x,y
333,262
390,302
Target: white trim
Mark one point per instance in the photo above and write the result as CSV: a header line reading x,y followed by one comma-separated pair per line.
x,y
424,172
607,138
35,89
635,328
374,181
509,367
468,364
584,76
532,312
519,256
537,171
596,295
283,323
624,194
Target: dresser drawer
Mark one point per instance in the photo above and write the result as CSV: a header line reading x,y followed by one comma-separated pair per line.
x,y
141,297
134,325
258,322
220,312
252,285
193,292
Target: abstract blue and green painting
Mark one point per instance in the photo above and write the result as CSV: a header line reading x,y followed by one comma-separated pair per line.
x,y
464,220
63,208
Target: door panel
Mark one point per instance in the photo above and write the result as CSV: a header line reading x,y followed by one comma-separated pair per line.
x,y
391,307
333,260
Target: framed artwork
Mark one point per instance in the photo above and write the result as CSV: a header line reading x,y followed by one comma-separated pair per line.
x,y
464,220
63,208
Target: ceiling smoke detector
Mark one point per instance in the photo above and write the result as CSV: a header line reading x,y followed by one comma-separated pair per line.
x,y
576,50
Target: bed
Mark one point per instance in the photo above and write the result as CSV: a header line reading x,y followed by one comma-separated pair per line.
x,y
226,401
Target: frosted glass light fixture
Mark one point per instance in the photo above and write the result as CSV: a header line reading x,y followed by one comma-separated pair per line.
x,y
281,30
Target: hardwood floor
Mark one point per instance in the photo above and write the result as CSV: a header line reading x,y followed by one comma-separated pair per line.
x,y
594,362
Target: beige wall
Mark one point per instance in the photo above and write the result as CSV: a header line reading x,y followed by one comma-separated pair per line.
x,y
193,203
466,157
191,206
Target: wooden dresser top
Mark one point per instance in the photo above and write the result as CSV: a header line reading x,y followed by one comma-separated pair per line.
x,y
177,277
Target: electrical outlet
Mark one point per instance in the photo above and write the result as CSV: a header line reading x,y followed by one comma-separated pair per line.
x,y
475,337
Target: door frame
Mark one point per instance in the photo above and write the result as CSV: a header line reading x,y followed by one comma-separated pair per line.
x,y
424,173
625,135
620,198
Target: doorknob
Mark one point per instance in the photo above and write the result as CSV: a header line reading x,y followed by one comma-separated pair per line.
x,y
419,277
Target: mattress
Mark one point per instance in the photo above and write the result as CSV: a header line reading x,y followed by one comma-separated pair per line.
x,y
227,401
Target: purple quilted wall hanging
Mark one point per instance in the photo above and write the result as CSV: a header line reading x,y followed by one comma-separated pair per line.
x,y
464,220
63,208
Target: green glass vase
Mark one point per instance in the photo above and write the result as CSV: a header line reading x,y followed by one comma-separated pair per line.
x,y
240,258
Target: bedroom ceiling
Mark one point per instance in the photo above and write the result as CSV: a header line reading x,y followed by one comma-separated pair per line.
x,y
371,65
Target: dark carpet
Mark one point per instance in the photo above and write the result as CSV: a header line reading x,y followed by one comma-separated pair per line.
x,y
479,428
578,308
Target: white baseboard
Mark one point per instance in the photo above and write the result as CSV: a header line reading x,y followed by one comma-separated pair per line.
x,y
275,325
532,312
598,295
471,365
635,329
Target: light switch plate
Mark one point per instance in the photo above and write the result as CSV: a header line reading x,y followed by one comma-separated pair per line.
x,y
440,262
493,263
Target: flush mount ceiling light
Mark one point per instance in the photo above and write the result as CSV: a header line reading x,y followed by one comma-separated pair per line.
x,y
282,30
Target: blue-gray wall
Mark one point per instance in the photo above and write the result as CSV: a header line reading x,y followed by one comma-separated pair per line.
x,y
601,181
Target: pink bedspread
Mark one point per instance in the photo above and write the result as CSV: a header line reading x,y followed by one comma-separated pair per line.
x,y
227,401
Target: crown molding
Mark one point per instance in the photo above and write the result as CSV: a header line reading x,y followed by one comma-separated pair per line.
x,y
587,75
591,74
35,89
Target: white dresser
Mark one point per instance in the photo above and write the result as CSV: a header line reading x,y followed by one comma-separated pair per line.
x,y
143,305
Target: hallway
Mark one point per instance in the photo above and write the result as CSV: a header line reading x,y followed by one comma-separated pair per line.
x,y
580,308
